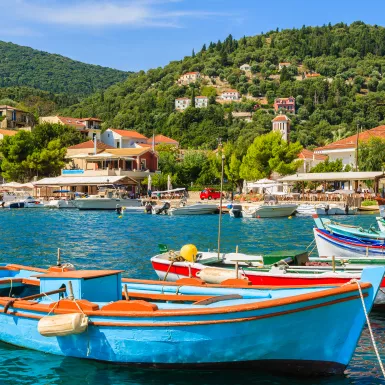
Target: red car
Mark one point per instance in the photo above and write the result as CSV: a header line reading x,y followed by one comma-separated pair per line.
x,y
209,193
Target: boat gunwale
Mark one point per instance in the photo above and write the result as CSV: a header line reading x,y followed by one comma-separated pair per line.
x,y
188,323
341,289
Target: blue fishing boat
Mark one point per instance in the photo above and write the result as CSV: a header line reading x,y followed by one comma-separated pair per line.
x,y
190,324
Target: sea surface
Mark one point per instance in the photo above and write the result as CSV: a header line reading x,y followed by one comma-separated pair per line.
x,y
103,240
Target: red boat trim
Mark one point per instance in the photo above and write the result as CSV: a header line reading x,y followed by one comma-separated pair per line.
x,y
349,243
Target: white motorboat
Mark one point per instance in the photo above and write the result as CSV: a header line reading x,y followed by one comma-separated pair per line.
x,y
161,208
108,198
275,210
305,210
32,203
194,209
335,209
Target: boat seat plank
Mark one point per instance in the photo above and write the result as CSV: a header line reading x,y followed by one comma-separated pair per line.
x,y
169,297
218,298
208,261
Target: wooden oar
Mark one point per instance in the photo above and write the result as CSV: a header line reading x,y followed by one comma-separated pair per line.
x,y
35,296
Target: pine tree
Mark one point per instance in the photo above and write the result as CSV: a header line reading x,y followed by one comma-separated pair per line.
x,y
204,48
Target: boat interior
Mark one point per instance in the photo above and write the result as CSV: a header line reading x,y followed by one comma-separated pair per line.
x,y
53,290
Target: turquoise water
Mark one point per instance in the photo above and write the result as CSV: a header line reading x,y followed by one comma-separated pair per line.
x,y
102,240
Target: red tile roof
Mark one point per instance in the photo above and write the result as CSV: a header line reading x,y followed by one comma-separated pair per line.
x,y
73,122
8,132
315,75
307,154
191,73
350,141
144,145
129,134
162,139
182,99
201,97
281,118
94,119
90,144
230,90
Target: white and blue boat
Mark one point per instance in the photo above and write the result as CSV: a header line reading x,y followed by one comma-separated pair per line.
x,y
332,244
189,324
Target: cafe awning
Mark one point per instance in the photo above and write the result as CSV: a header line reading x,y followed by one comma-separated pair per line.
x,y
333,176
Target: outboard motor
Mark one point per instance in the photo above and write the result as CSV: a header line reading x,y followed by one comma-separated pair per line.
x,y
164,209
327,209
346,209
119,209
148,208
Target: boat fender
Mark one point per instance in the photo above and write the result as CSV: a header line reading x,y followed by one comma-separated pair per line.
x,y
62,325
189,252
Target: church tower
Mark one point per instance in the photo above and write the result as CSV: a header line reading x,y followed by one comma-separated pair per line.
x,y
281,124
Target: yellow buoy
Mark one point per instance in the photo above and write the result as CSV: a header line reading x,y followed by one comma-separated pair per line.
x,y
189,252
119,216
290,217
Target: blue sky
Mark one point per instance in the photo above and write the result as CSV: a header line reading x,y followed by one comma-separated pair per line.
x,y
142,34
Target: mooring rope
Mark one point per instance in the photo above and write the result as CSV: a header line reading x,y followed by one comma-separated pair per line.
x,y
369,325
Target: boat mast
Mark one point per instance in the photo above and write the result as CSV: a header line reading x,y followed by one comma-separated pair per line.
x,y
220,199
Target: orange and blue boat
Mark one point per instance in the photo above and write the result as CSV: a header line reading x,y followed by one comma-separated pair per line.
x,y
189,324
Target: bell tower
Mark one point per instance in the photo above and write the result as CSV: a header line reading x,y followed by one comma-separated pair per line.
x,y
281,124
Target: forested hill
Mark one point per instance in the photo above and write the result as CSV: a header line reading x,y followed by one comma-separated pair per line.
x,y
336,74
24,66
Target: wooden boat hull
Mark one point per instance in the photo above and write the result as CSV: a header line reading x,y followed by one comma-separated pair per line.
x,y
278,331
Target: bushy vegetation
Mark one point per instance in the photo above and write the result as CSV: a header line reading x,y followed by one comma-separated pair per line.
x,y
38,153
350,90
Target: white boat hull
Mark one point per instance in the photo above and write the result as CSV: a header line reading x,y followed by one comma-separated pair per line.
x,y
61,204
274,211
198,209
105,203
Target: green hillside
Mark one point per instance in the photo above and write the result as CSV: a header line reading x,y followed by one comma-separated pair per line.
x,y
350,90
24,66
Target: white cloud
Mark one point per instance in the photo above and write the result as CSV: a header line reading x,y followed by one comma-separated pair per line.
x,y
87,13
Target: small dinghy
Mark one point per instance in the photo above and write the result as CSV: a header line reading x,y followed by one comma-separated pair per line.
x,y
190,324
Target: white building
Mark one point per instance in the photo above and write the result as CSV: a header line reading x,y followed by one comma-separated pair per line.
x,y
281,124
122,138
201,101
182,103
189,77
245,67
345,149
283,64
230,95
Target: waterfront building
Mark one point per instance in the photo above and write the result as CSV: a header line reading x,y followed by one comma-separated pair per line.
x,y
123,138
86,170
89,127
14,118
345,149
286,104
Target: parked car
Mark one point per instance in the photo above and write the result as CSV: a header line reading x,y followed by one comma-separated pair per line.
x,y
209,193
